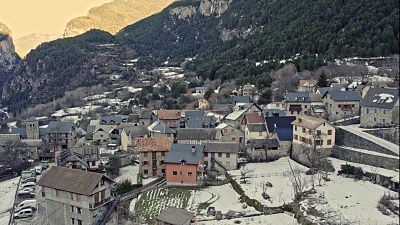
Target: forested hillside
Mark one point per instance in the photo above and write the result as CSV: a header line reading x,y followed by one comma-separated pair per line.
x,y
239,39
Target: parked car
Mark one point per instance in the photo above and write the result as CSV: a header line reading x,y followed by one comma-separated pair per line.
x,y
26,204
26,190
28,179
242,160
26,195
38,170
29,185
45,164
25,213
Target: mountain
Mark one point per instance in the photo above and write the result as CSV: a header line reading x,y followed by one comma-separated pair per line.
x,y
241,40
9,60
26,43
114,16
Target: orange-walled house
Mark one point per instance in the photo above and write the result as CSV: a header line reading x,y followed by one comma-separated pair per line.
x,y
184,165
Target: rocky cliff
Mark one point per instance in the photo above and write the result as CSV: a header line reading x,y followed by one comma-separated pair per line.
x,y
9,60
114,16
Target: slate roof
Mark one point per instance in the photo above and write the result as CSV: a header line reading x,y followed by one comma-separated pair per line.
x,y
133,118
274,112
256,127
284,134
196,134
298,97
323,90
60,127
222,147
160,127
31,119
343,95
114,119
279,122
19,130
70,156
71,180
136,131
160,144
241,99
175,216
183,153
381,98
221,106
146,114
193,113
200,121
263,143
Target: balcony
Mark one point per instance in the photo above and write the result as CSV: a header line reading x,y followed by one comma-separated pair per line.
x,y
100,203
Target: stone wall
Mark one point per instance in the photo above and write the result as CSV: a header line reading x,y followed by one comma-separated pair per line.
x,y
389,134
346,138
363,158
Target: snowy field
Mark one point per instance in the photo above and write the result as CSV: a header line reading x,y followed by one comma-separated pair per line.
x,y
276,219
7,194
275,173
130,173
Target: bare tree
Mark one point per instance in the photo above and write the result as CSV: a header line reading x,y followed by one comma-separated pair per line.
x,y
12,151
244,172
298,180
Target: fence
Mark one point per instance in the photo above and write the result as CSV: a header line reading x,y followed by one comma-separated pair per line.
x,y
11,220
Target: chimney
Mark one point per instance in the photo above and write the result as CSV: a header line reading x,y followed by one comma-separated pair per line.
x,y
193,149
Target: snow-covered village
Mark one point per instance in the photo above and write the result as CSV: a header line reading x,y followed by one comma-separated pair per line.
x,y
199,112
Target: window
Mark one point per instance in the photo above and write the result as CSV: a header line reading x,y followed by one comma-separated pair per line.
x,y
225,130
58,193
318,132
78,197
162,153
174,173
232,131
101,182
296,137
79,222
145,163
295,127
180,172
161,162
228,155
233,138
337,113
384,111
72,209
329,142
260,133
329,132
146,172
383,121
375,110
79,210
43,194
374,119
189,174
367,111
303,130
205,154
94,163
162,170
340,106
145,154
219,154
319,142
72,221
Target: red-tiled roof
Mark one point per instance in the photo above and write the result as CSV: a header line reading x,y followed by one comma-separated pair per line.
x,y
255,117
159,144
169,114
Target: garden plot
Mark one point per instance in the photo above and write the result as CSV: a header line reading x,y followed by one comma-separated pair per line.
x,y
275,173
7,195
276,219
130,173
151,203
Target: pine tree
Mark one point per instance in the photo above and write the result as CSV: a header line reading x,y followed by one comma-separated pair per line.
x,y
322,81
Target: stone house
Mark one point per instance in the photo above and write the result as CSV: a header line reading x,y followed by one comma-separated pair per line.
x,y
219,154
201,90
313,138
341,104
380,108
185,165
113,121
70,196
196,135
61,133
307,86
281,128
152,152
130,134
248,90
254,126
297,103
228,133
263,149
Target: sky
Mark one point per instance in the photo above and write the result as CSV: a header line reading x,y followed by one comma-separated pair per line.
x,y
25,17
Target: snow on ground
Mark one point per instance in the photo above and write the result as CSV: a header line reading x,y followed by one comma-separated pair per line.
x,y
12,124
275,173
7,194
130,172
133,89
276,219
351,200
75,110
